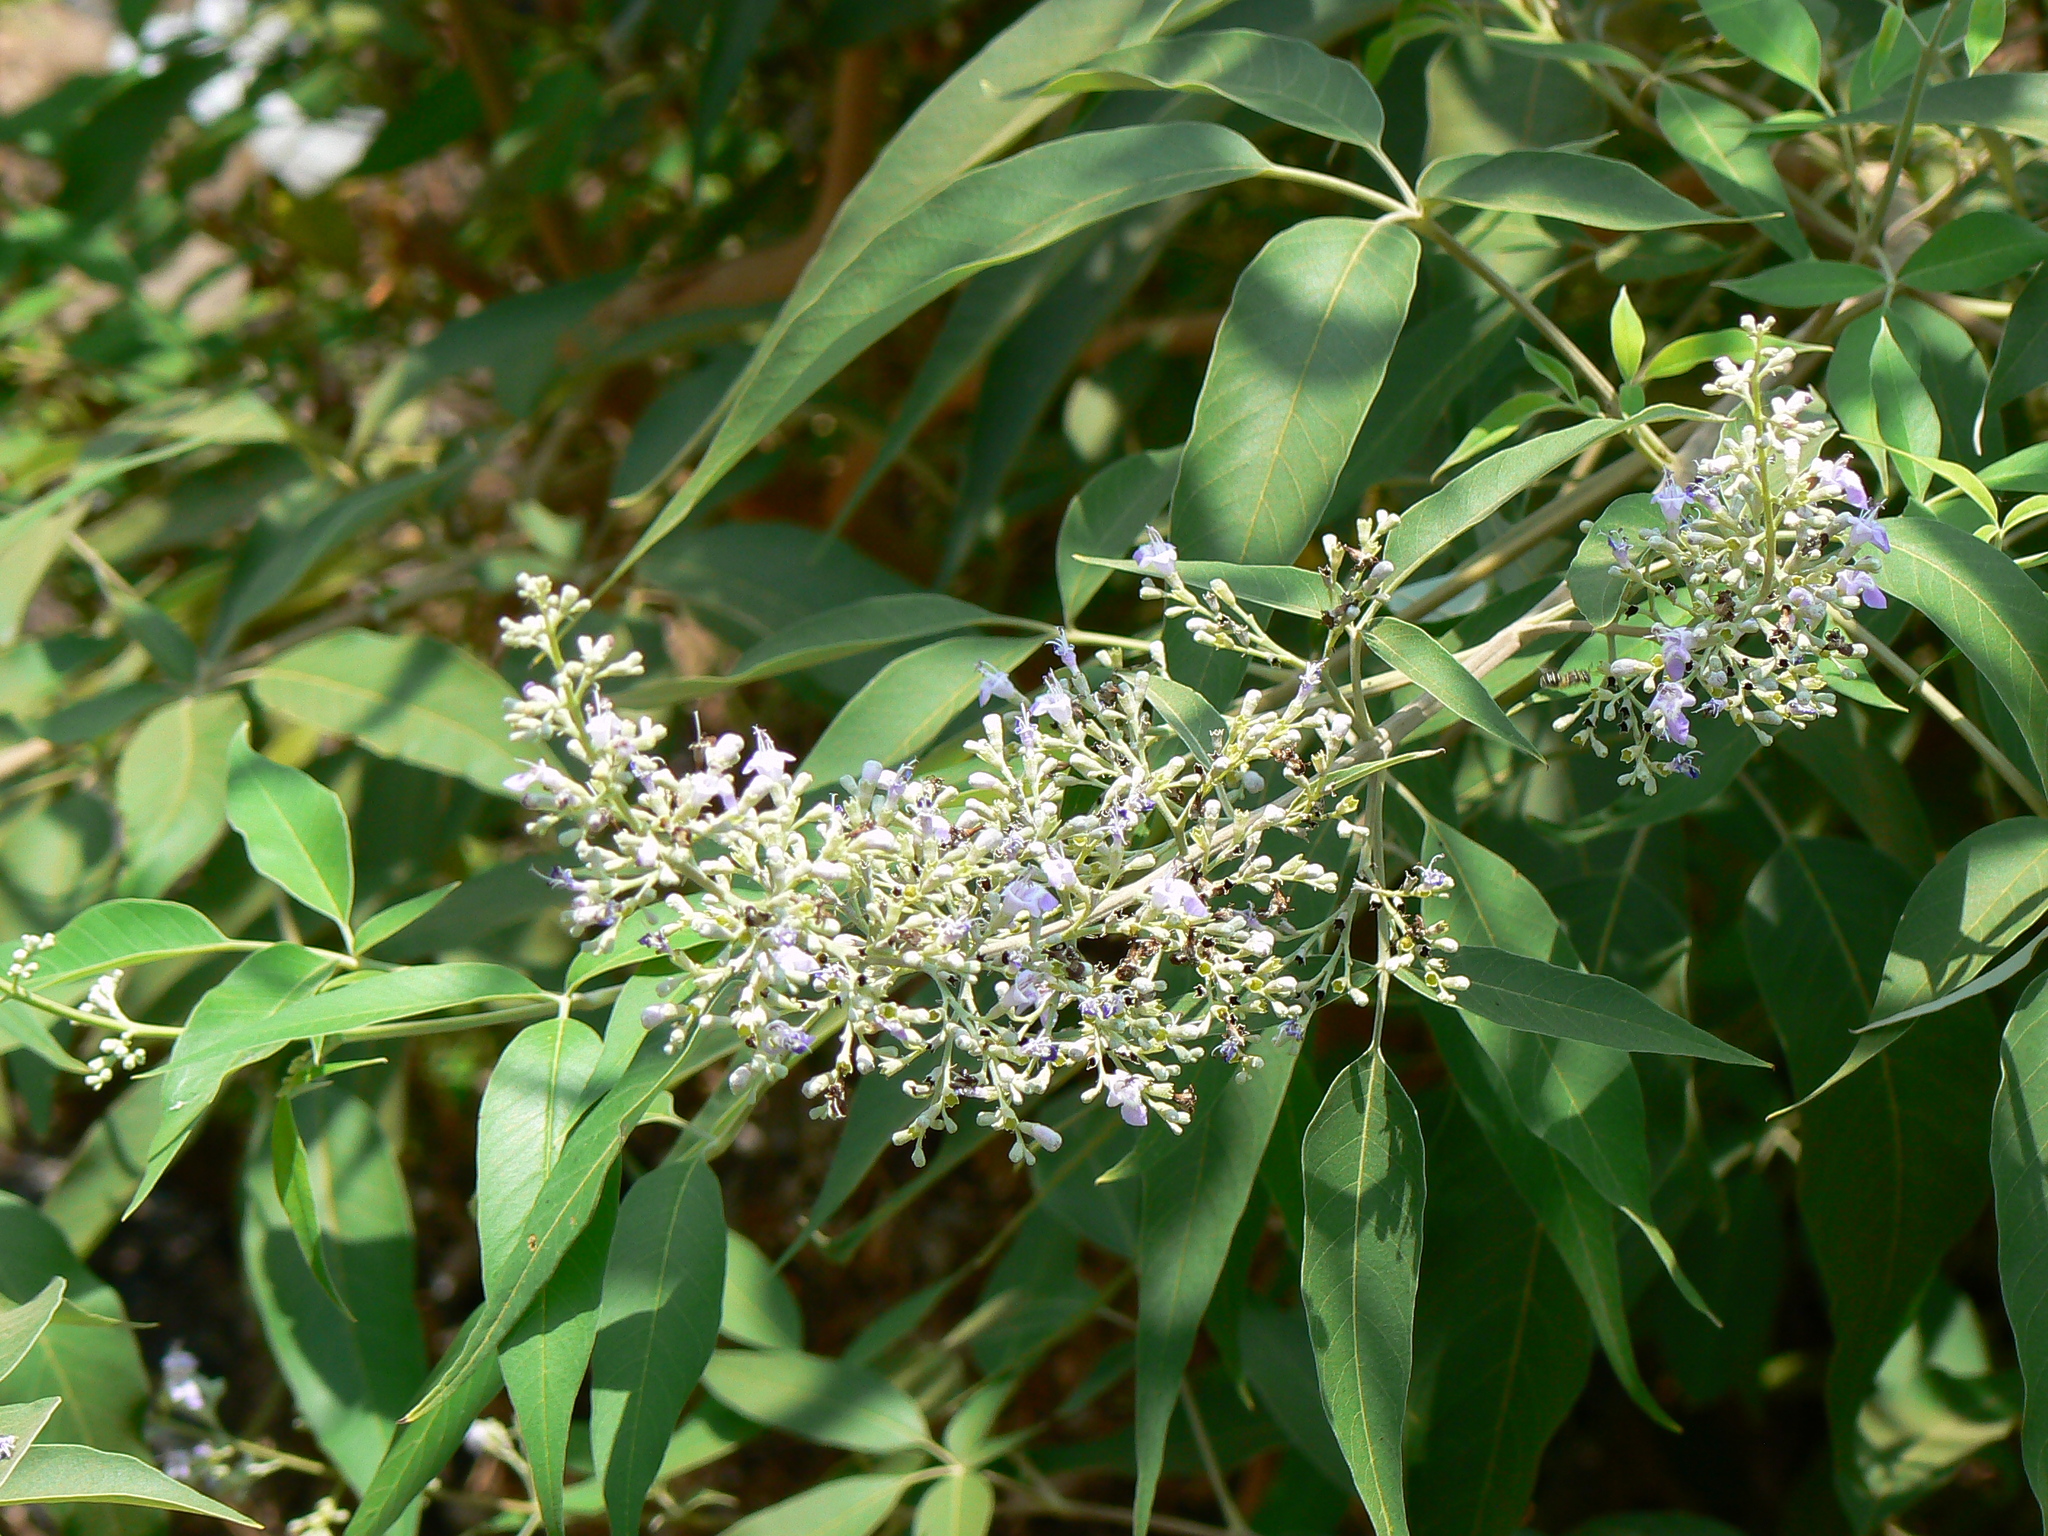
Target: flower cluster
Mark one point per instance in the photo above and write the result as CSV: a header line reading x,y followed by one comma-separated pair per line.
x,y
115,1050
1101,890
1745,583
184,1429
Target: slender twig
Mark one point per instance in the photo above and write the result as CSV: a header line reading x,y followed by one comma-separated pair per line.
x,y
1219,1485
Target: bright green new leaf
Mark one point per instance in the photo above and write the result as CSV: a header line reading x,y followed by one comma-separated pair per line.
x,y
828,1402
908,704
656,1325
1985,31
1559,184
79,1474
1284,78
960,1504
1444,678
1625,335
1362,1184
409,697
1295,368
294,828
389,922
1778,34
171,787
1988,608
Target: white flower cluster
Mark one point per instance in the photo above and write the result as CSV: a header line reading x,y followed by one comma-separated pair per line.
x,y
117,1050
1097,897
1757,557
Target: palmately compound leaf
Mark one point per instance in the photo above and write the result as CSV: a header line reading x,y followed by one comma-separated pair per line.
x,y
1362,1184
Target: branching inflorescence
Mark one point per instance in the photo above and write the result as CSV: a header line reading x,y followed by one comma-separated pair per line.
x,y
1759,555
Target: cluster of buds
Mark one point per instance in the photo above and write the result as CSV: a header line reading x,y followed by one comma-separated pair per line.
x,y
114,1050
1745,584
22,969
184,1429
1094,894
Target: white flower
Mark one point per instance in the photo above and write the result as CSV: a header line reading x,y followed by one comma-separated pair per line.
x,y
1125,1091
1156,557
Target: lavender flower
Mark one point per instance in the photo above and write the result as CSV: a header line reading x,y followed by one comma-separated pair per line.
x,y
1156,557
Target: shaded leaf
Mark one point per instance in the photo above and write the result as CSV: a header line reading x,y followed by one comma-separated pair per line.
x,y
910,703
171,788
1558,184
1521,992
828,1402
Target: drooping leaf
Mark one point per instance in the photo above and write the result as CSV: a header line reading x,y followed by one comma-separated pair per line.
x,y
1559,184
1285,78
828,1402
1444,678
1990,889
1363,1175
81,1474
1195,1188
1891,1168
1294,370
20,1424
1989,609
352,1372
171,787
538,1088
294,828
409,697
656,1325
985,217
910,702
463,1381
22,1325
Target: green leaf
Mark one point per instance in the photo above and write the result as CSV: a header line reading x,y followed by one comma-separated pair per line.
x,y
254,992
1107,519
1284,78
1906,417
234,1037
171,788
1625,335
294,828
97,1371
78,1474
1977,250
1558,184
1195,1188
20,1424
2022,362
992,215
959,1504
1576,1218
845,1506
97,1183
1444,678
1498,425
1193,718
1480,491
1986,30
21,1326
910,702
849,630
293,1185
1596,587
1891,1168
1806,284
758,1309
1849,758
2015,103
656,1325
1520,992
1501,1341
1714,136
393,920
1778,34
672,421
1362,1182
1965,913
1988,608
539,1087
1294,370
2019,1181
348,1342
544,1358
409,697
464,1381
828,1402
